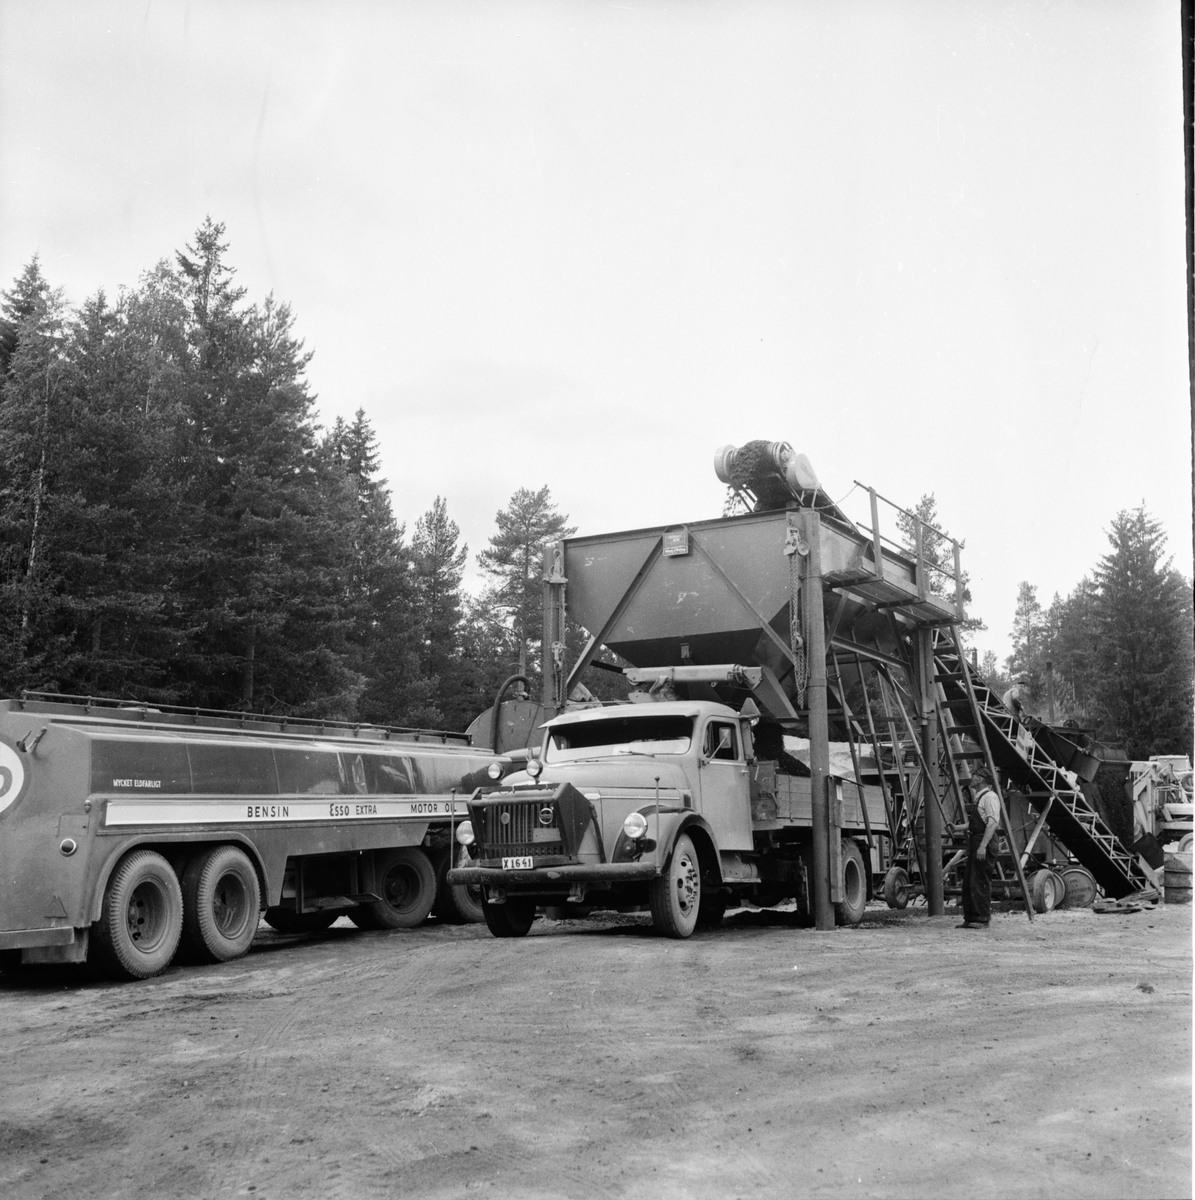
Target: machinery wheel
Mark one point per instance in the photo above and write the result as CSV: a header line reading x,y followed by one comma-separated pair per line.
x,y
141,919
407,885
1185,842
221,904
676,895
510,920
849,910
286,920
455,905
711,910
896,888
1044,890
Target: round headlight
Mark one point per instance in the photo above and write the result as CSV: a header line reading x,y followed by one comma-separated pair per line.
x,y
534,768
464,833
635,826
494,770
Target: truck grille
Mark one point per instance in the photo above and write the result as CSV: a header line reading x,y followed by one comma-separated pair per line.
x,y
516,834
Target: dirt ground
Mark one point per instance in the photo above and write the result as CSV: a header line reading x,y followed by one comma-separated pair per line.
x,y
902,1058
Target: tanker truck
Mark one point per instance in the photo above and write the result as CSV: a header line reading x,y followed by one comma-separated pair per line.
x,y
130,832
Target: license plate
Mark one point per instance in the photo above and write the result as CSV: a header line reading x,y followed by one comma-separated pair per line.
x,y
522,863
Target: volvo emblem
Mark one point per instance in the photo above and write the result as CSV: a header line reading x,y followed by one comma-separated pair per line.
x,y
546,815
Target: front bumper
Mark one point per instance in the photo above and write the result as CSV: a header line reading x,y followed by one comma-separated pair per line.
x,y
554,878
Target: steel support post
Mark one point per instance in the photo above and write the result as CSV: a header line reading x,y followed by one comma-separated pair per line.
x,y
929,738
819,721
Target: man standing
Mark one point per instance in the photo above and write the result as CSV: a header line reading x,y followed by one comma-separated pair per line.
x,y
983,819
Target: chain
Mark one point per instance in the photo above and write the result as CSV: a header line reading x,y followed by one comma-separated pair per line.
x,y
794,548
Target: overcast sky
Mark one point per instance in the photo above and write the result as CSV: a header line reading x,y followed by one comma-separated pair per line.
x,y
938,247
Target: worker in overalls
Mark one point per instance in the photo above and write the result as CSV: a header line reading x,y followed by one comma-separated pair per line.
x,y
983,819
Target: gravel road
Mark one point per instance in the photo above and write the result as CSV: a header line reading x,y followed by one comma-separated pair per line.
x,y
594,1059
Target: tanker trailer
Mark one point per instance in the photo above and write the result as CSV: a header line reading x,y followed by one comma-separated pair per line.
x,y
129,831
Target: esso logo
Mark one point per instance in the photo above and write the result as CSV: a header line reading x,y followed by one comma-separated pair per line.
x,y
12,776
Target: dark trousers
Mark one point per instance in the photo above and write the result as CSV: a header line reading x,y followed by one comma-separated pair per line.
x,y
977,885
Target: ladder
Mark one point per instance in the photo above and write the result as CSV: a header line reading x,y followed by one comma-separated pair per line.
x,y
1059,804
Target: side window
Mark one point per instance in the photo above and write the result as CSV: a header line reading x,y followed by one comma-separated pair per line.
x,y
721,741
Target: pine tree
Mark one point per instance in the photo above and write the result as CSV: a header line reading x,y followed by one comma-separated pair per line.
x,y
1070,646
513,560
1144,654
1029,640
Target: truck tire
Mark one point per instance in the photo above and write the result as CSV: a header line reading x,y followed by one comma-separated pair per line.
x,y
455,905
849,910
221,904
286,920
1044,890
510,920
141,918
896,888
407,885
676,895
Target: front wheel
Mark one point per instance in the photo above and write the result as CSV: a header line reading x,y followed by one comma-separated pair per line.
x,y
456,905
407,886
509,920
221,903
141,919
676,895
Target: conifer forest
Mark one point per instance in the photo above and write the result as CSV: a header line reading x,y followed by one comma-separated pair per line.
x,y
176,527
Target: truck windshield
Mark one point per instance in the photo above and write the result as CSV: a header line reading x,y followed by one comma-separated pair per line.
x,y
627,735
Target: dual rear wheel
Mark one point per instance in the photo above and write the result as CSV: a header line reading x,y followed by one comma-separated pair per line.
x,y
147,912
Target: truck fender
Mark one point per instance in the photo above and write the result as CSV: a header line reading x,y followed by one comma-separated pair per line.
x,y
169,849
703,840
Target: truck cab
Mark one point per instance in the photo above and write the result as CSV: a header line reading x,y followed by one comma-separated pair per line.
x,y
612,796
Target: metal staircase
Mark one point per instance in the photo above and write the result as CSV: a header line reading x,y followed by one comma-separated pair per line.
x,y
1060,806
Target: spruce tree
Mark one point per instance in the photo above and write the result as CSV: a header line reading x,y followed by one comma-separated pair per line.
x,y
378,589
33,464
1144,656
439,562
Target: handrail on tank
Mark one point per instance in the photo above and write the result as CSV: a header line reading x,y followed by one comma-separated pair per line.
x,y
303,724
926,566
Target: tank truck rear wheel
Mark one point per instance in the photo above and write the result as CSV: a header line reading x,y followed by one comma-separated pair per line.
x,y
896,888
221,904
407,885
286,920
512,919
141,919
849,910
676,895
456,905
